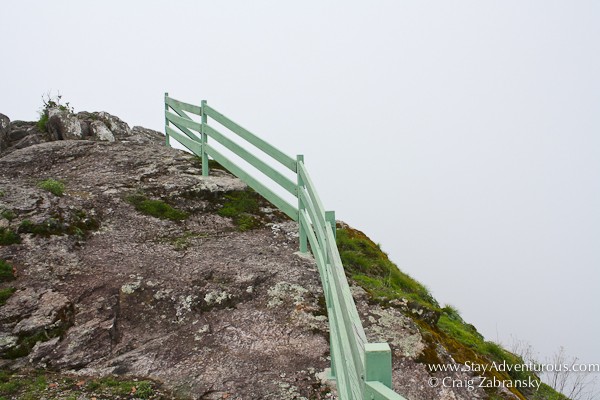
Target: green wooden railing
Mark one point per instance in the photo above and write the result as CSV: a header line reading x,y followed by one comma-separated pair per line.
x,y
362,370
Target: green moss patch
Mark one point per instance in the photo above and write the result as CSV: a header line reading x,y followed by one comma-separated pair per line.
x,y
8,237
6,272
243,208
53,186
156,208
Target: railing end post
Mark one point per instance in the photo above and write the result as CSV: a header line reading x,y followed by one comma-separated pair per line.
x,y
167,138
203,139
378,363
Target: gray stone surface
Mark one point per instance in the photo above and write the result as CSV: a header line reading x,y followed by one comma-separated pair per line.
x,y
200,317
63,125
210,311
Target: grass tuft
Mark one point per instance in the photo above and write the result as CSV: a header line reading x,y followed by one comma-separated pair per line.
x,y
8,215
371,268
242,207
53,186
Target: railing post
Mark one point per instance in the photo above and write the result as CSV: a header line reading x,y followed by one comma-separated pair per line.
x,y
301,206
203,140
330,218
378,364
166,120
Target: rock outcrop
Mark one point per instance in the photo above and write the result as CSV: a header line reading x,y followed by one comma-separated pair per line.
x,y
197,304
130,268
65,125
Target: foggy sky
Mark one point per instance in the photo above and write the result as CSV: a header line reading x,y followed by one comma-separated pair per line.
x,y
464,137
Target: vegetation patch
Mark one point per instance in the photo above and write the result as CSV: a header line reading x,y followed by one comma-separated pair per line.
x,y
26,343
155,208
243,208
451,323
6,272
38,384
370,267
8,237
367,265
53,186
5,294
7,214
51,102
76,223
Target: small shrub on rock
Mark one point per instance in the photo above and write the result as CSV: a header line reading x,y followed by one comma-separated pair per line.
x,y
51,102
53,186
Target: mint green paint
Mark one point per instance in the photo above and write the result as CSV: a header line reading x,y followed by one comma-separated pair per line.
x,y
183,106
204,139
184,122
330,218
267,148
166,120
264,191
378,363
362,370
192,145
378,391
301,227
183,115
253,160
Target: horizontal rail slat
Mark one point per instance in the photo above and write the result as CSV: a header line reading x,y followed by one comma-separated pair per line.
x,y
188,123
267,193
183,106
183,129
191,145
378,391
274,152
259,164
